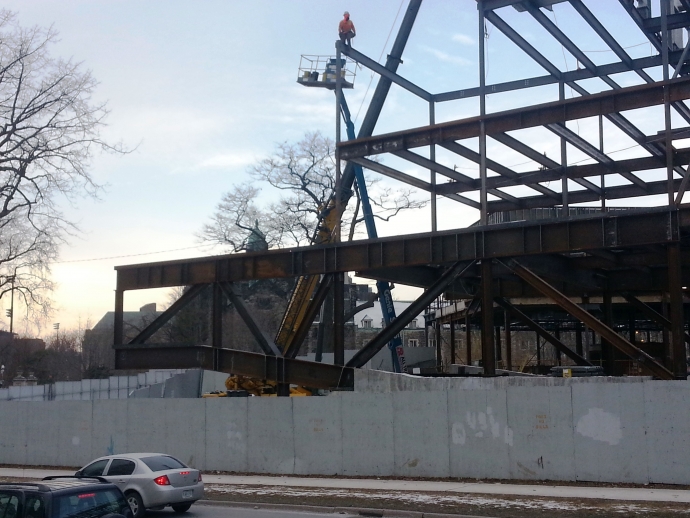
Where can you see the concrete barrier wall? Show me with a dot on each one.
(114, 387)
(615, 430)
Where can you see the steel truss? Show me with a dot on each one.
(630, 254)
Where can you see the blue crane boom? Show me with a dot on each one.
(385, 298)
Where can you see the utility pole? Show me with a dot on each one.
(56, 326)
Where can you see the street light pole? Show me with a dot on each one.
(12, 306)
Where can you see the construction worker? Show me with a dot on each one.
(346, 29)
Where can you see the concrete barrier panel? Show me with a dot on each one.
(421, 434)
(185, 422)
(109, 428)
(540, 421)
(146, 425)
(318, 435)
(13, 432)
(368, 448)
(226, 434)
(480, 436)
(609, 432)
(668, 431)
(42, 432)
(74, 432)
(270, 435)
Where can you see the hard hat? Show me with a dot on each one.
(346, 13)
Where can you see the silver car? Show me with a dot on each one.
(149, 480)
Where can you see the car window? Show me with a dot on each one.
(120, 467)
(90, 504)
(162, 462)
(34, 507)
(95, 469)
(9, 505)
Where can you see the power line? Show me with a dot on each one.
(130, 255)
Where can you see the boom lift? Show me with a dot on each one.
(305, 285)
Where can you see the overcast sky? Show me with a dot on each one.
(202, 89)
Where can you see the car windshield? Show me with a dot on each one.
(162, 462)
(89, 504)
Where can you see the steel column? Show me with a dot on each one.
(488, 346)
(468, 339)
(338, 323)
(452, 341)
(608, 355)
(675, 288)
(118, 318)
(509, 342)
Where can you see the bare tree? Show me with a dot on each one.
(49, 131)
(303, 174)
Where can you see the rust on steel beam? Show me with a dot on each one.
(634, 228)
(532, 116)
(255, 365)
(647, 363)
(560, 346)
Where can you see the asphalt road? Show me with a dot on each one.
(213, 511)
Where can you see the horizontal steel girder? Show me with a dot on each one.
(681, 157)
(539, 115)
(259, 366)
(626, 229)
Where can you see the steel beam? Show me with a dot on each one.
(266, 343)
(383, 71)
(616, 192)
(531, 324)
(538, 115)
(382, 88)
(647, 363)
(638, 65)
(259, 366)
(365, 354)
(652, 314)
(626, 229)
(189, 295)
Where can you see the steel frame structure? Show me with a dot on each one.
(630, 253)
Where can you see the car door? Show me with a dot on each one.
(120, 472)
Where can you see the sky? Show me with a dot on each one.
(201, 90)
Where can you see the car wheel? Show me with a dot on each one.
(136, 504)
(181, 508)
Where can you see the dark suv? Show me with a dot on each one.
(63, 497)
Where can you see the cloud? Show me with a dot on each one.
(448, 58)
(463, 39)
(226, 161)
